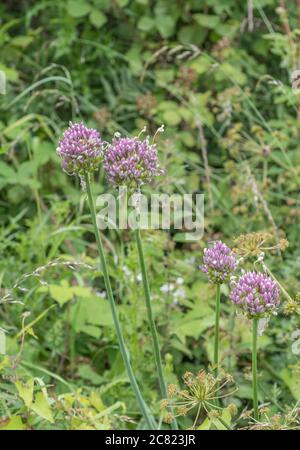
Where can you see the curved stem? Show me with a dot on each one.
(145, 411)
(217, 326)
(152, 325)
(254, 367)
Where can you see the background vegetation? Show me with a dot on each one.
(217, 74)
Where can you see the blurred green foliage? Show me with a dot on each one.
(217, 74)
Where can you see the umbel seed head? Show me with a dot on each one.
(256, 294)
(80, 149)
(219, 262)
(131, 162)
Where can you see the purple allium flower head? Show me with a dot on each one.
(80, 149)
(131, 162)
(256, 294)
(219, 262)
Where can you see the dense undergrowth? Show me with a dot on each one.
(218, 76)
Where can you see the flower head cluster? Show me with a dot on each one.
(80, 149)
(256, 243)
(131, 162)
(256, 294)
(219, 262)
(200, 393)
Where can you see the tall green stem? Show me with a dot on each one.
(152, 325)
(145, 411)
(254, 367)
(217, 326)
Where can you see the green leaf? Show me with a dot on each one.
(171, 118)
(97, 18)
(87, 373)
(6, 170)
(205, 425)
(10, 73)
(61, 294)
(165, 25)
(191, 34)
(21, 41)
(201, 64)
(291, 379)
(146, 23)
(14, 423)
(228, 72)
(122, 3)
(25, 391)
(78, 8)
(41, 407)
(206, 20)
(97, 311)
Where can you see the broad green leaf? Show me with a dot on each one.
(122, 3)
(11, 74)
(96, 401)
(13, 423)
(97, 18)
(191, 34)
(41, 407)
(165, 25)
(146, 23)
(21, 41)
(61, 294)
(6, 170)
(171, 118)
(87, 373)
(206, 20)
(201, 64)
(78, 8)
(292, 380)
(25, 391)
(205, 425)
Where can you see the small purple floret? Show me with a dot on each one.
(256, 294)
(80, 149)
(131, 162)
(219, 262)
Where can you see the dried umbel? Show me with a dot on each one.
(131, 162)
(219, 262)
(253, 244)
(80, 149)
(200, 393)
(256, 294)
(280, 421)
